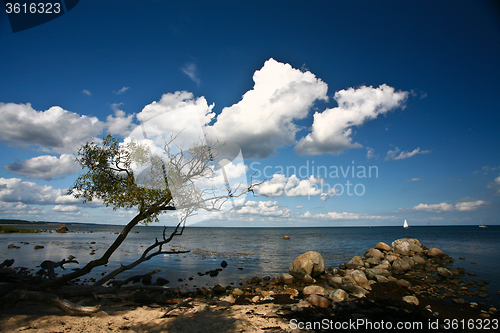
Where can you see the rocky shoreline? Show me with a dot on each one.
(404, 282)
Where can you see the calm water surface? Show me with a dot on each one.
(252, 251)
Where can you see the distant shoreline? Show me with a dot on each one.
(76, 224)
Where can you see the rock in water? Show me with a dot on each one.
(62, 229)
(435, 252)
(444, 273)
(286, 237)
(223, 264)
(403, 245)
(311, 263)
(382, 246)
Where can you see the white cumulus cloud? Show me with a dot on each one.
(282, 186)
(45, 167)
(120, 123)
(264, 118)
(56, 128)
(463, 206)
(264, 208)
(333, 128)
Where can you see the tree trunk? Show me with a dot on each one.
(105, 258)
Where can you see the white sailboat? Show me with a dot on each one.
(405, 225)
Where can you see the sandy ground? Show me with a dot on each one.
(197, 317)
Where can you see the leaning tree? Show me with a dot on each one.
(130, 175)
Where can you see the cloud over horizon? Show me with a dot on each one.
(45, 167)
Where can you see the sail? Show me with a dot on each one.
(405, 225)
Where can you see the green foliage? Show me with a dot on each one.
(110, 177)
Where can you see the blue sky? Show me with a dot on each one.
(408, 89)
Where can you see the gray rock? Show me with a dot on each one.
(409, 261)
(391, 257)
(381, 278)
(355, 290)
(444, 273)
(435, 252)
(311, 263)
(355, 262)
(314, 290)
(286, 278)
(339, 295)
(373, 261)
(371, 272)
(403, 245)
(404, 283)
(411, 300)
(374, 253)
(308, 279)
(416, 248)
(348, 279)
(360, 279)
(418, 260)
(335, 281)
(237, 292)
(318, 301)
(401, 265)
(382, 246)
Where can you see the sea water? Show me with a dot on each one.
(250, 252)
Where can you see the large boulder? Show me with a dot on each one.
(360, 279)
(401, 265)
(314, 290)
(382, 246)
(374, 253)
(355, 262)
(338, 295)
(435, 252)
(311, 263)
(318, 301)
(403, 246)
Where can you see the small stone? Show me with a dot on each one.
(335, 281)
(286, 237)
(308, 279)
(411, 300)
(286, 278)
(223, 264)
(237, 292)
(38, 247)
(404, 283)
